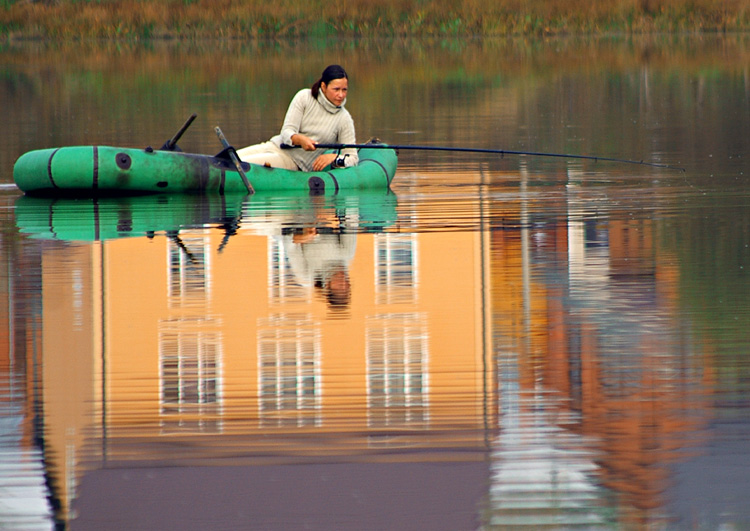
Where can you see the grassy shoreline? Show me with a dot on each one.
(260, 19)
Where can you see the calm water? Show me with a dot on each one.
(498, 342)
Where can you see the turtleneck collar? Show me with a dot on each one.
(327, 105)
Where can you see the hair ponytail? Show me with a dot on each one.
(329, 74)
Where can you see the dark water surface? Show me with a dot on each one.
(497, 342)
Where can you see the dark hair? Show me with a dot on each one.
(329, 74)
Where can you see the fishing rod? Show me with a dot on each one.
(496, 152)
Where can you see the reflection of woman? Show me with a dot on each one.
(315, 115)
(321, 259)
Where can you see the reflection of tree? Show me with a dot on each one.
(603, 334)
(644, 404)
(714, 270)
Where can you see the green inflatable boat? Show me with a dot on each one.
(107, 218)
(106, 170)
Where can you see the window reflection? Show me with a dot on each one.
(397, 370)
(189, 270)
(189, 359)
(283, 287)
(289, 370)
(395, 268)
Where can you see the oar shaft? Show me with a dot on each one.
(172, 142)
(235, 159)
(496, 152)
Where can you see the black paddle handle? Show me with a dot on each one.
(233, 155)
(170, 144)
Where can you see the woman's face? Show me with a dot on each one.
(335, 91)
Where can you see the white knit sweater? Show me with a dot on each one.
(320, 120)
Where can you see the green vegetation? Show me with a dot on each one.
(242, 19)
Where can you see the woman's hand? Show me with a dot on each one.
(324, 160)
(305, 142)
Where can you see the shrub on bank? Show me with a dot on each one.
(144, 19)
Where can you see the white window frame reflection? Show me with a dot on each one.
(283, 287)
(397, 353)
(289, 370)
(190, 381)
(189, 270)
(396, 268)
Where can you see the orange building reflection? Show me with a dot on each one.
(332, 330)
(216, 346)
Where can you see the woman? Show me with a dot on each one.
(315, 115)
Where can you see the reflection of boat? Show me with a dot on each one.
(104, 170)
(121, 217)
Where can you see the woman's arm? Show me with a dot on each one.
(348, 136)
(345, 135)
(293, 118)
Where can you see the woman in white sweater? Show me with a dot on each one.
(315, 115)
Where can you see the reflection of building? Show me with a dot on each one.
(193, 350)
(179, 352)
(583, 311)
(398, 371)
(24, 502)
(543, 475)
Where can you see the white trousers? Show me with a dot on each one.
(267, 154)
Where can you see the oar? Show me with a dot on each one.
(235, 159)
(494, 151)
(170, 144)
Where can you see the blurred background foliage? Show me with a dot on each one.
(242, 19)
